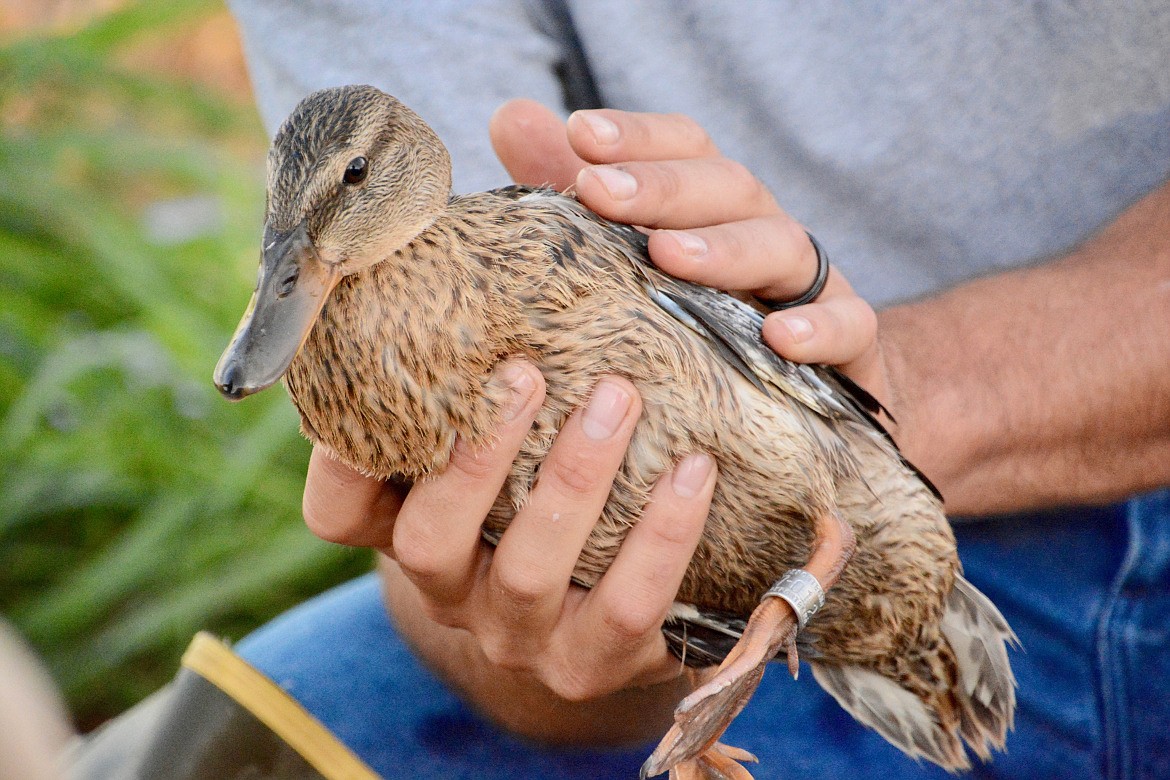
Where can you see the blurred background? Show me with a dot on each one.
(136, 506)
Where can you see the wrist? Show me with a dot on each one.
(940, 426)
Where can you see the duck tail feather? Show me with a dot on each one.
(979, 636)
(894, 712)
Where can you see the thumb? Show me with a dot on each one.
(530, 141)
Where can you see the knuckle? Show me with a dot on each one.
(791, 234)
(693, 134)
(668, 183)
(442, 614)
(856, 330)
(681, 530)
(729, 244)
(513, 651)
(634, 622)
(576, 472)
(798, 270)
(572, 684)
(520, 589)
(501, 652)
(475, 465)
(332, 526)
(736, 171)
(866, 321)
(743, 180)
(416, 554)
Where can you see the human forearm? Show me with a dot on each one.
(1045, 386)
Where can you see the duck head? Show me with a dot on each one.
(353, 176)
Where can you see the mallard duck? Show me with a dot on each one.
(385, 302)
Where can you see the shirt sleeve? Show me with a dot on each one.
(452, 61)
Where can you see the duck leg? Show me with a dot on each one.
(691, 748)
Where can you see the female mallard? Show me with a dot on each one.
(386, 303)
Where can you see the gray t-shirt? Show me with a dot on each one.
(924, 143)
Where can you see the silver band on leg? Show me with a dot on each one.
(802, 591)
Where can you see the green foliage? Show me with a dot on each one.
(136, 506)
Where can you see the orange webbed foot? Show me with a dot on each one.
(691, 748)
(691, 745)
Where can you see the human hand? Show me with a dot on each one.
(516, 600)
(713, 222)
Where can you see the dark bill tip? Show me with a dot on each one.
(230, 384)
(291, 291)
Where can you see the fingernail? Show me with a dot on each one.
(619, 184)
(691, 475)
(607, 408)
(520, 383)
(799, 328)
(604, 131)
(689, 243)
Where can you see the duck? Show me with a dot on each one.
(384, 302)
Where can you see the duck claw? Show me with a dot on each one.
(734, 753)
(719, 762)
(702, 717)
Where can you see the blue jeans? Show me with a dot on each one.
(1087, 590)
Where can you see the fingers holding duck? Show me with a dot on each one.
(624, 613)
(610, 637)
(436, 537)
(718, 224)
(518, 601)
(770, 256)
(609, 136)
(529, 578)
(686, 193)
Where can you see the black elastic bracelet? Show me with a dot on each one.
(818, 285)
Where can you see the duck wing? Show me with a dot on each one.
(738, 328)
(830, 400)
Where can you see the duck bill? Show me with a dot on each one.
(290, 293)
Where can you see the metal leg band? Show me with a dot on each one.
(802, 591)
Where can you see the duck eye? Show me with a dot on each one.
(356, 171)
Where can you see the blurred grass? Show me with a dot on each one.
(136, 506)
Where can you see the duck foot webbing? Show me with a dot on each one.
(702, 717)
(691, 745)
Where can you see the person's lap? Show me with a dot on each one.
(1094, 674)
